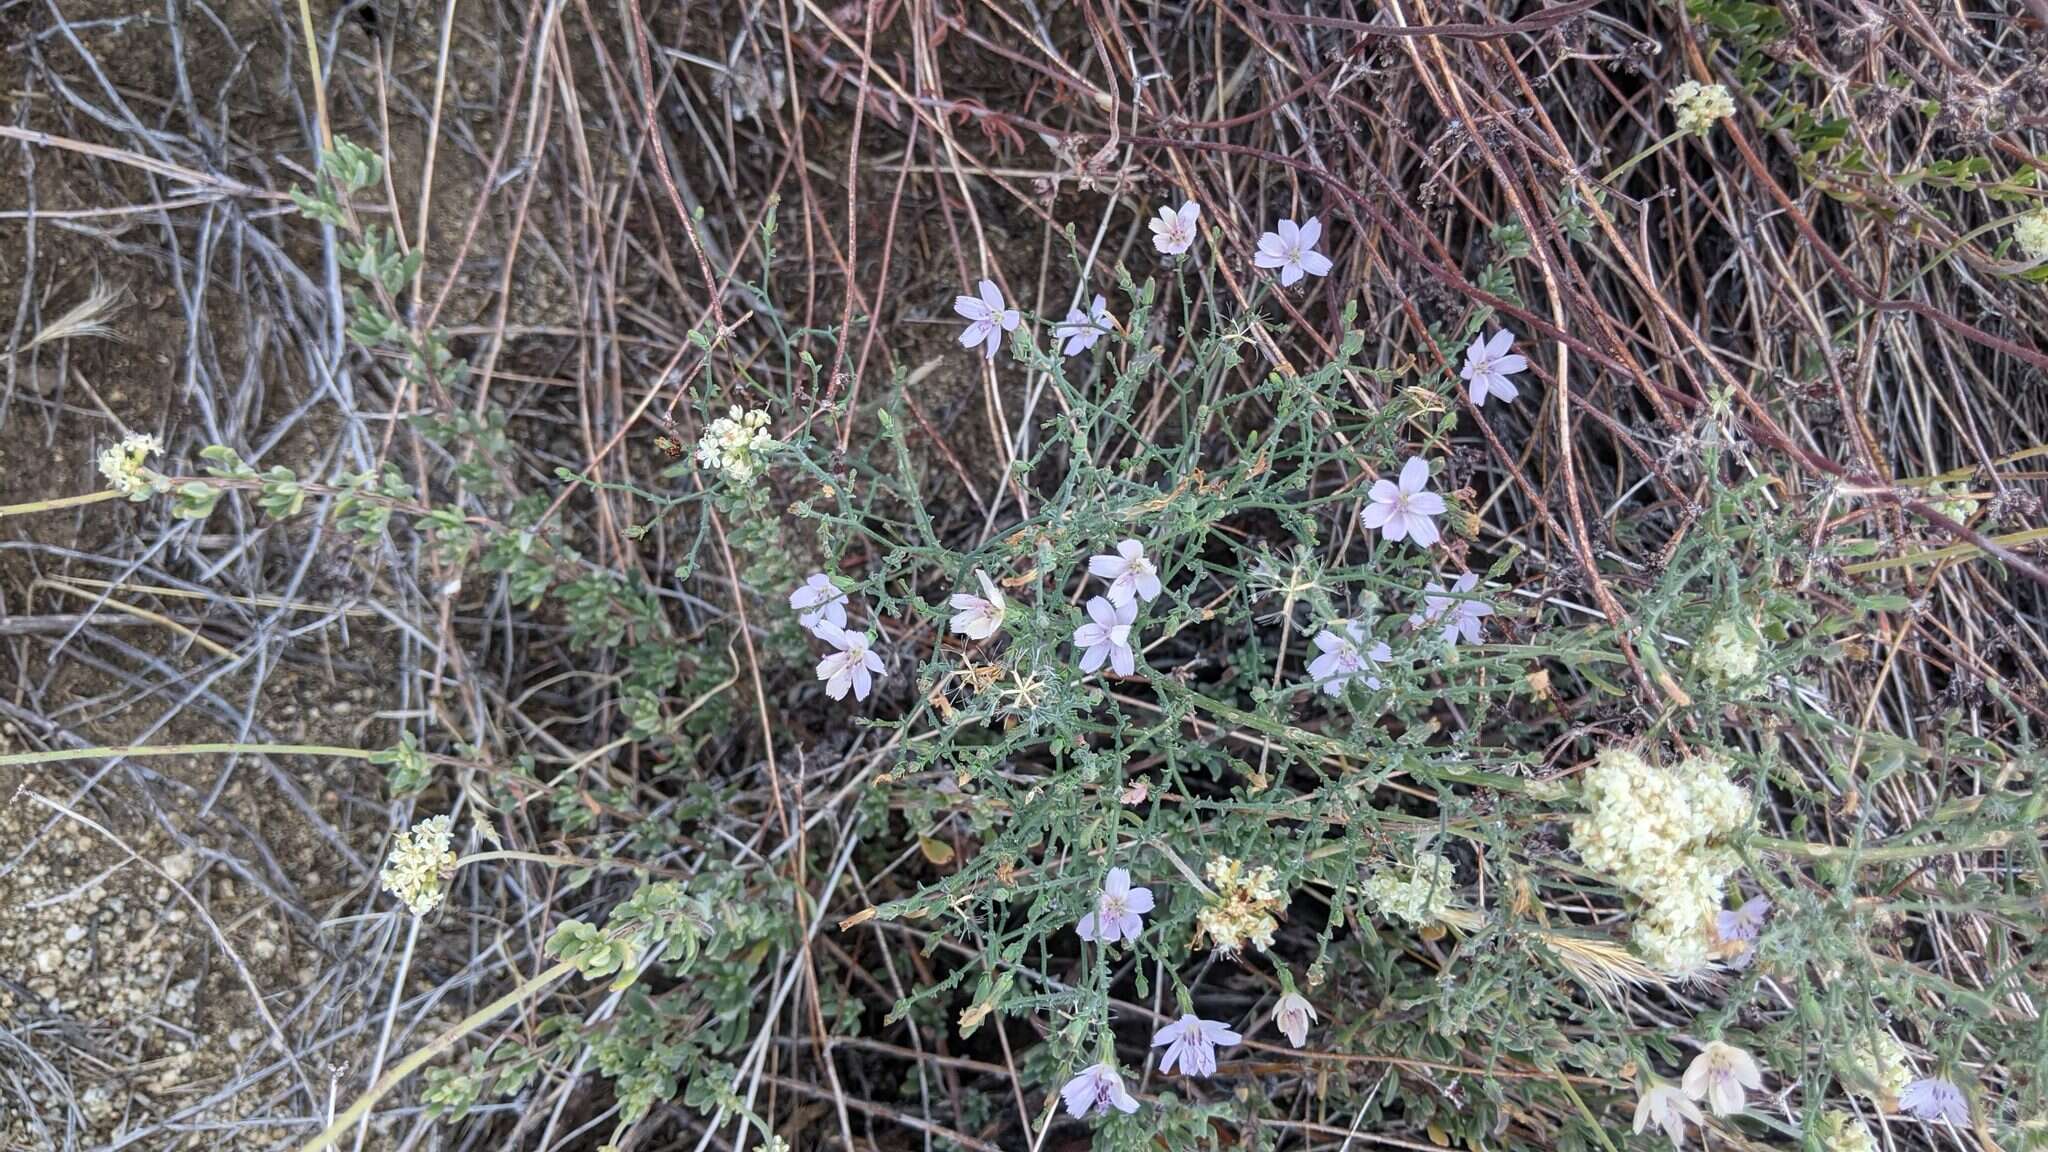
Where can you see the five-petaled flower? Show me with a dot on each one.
(1348, 652)
(1719, 1074)
(1456, 609)
(978, 617)
(1292, 1016)
(818, 601)
(1936, 1099)
(1173, 230)
(1738, 930)
(1404, 510)
(988, 317)
(1191, 1044)
(1082, 329)
(1490, 366)
(1097, 1088)
(1667, 1108)
(1291, 249)
(1107, 636)
(1128, 571)
(854, 665)
(1119, 910)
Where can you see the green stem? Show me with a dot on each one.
(7, 510)
(439, 1044)
(1880, 853)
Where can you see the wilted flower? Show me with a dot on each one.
(1291, 249)
(1245, 903)
(1082, 329)
(978, 617)
(1697, 107)
(1490, 366)
(1738, 930)
(818, 600)
(1935, 1099)
(732, 445)
(123, 466)
(854, 665)
(1107, 636)
(2030, 232)
(1667, 1108)
(1191, 1044)
(1128, 571)
(1119, 910)
(420, 864)
(1173, 231)
(988, 317)
(1345, 655)
(1719, 1074)
(1292, 1016)
(1455, 608)
(1403, 510)
(1097, 1088)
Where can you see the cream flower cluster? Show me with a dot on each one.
(1243, 908)
(1659, 832)
(1729, 652)
(1841, 1132)
(733, 444)
(1418, 898)
(1879, 1061)
(2030, 232)
(123, 466)
(1697, 107)
(420, 864)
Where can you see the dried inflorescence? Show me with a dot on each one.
(420, 864)
(734, 444)
(1418, 895)
(1243, 908)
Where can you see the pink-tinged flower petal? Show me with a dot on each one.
(1311, 230)
(1498, 347)
(1414, 474)
(991, 297)
(1102, 611)
(1315, 264)
(1509, 365)
(1426, 504)
(1123, 660)
(1290, 234)
(1095, 657)
(1138, 900)
(1935, 1099)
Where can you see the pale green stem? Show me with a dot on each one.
(34, 506)
(60, 755)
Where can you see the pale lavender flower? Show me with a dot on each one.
(1741, 927)
(1119, 910)
(1719, 1074)
(1936, 1099)
(1191, 1044)
(988, 317)
(978, 617)
(1347, 652)
(1456, 609)
(1173, 231)
(1129, 573)
(1404, 510)
(1107, 636)
(1291, 249)
(1489, 366)
(1292, 1016)
(1082, 329)
(853, 666)
(1097, 1088)
(818, 600)
(1667, 1108)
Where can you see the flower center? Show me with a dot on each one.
(1113, 907)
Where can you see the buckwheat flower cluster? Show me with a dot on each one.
(1729, 652)
(1243, 908)
(1658, 832)
(734, 443)
(420, 864)
(1841, 1132)
(2030, 232)
(123, 466)
(1418, 898)
(1697, 107)
(1878, 1061)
